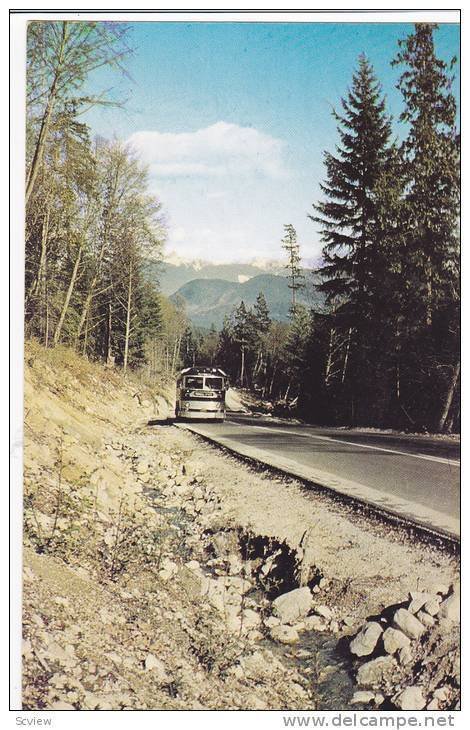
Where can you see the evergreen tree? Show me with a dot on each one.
(431, 156)
(348, 220)
(296, 277)
(296, 349)
(348, 215)
(261, 314)
(242, 333)
(431, 162)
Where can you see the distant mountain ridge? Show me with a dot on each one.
(173, 276)
(208, 301)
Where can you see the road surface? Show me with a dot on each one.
(416, 478)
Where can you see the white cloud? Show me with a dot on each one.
(218, 150)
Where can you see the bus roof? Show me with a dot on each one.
(203, 370)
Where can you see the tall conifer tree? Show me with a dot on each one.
(347, 216)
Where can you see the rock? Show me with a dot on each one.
(418, 600)
(394, 640)
(168, 569)
(374, 672)
(405, 656)
(366, 640)
(235, 565)
(441, 694)
(193, 565)
(250, 619)
(293, 605)
(241, 585)
(362, 697)
(379, 699)
(323, 611)
(432, 607)
(233, 622)
(433, 705)
(409, 624)
(272, 621)
(154, 665)
(314, 623)
(284, 634)
(411, 699)
(450, 608)
(425, 618)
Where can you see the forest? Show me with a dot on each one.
(383, 348)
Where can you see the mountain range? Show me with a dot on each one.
(210, 291)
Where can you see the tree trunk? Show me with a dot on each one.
(109, 335)
(330, 356)
(68, 296)
(346, 357)
(449, 397)
(288, 389)
(36, 284)
(128, 317)
(242, 367)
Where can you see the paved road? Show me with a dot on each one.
(416, 477)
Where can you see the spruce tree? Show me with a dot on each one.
(347, 216)
(296, 277)
(431, 254)
(261, 314)
(431, 158)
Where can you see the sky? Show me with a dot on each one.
(232, 120)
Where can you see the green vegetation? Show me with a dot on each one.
(378, 342)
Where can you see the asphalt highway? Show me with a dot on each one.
(417, 476)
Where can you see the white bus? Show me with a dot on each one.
(200, 393)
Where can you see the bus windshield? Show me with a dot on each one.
(214, 383)
(194, 382)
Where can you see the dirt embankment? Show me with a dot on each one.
(159, 573)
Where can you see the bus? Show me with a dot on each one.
(200, 393)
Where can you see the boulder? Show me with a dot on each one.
(450, 608)
(372, 673)
(432, 607)
(411, 699)
(425, 618)
(408, 623)
(394, 640)
(366, 640)
(284, 634)
(417, 600)
(314, 623)
(405, 656)
(323, 611)
(292, 606)
(362, 697)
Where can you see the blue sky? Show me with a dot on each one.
(233, 118)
